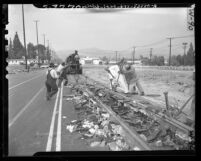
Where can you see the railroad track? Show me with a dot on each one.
(146, 127)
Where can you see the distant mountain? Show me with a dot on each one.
(89, 52)
(95, 52)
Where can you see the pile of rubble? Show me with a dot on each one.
(158, 134)
(95, 125)
(100, 129)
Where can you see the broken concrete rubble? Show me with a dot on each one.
(97, 128)
(101, 129)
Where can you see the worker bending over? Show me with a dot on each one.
(62, 74)
(51, 81)
(123, 77)
(131, 78)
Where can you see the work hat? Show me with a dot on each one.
(51, 65)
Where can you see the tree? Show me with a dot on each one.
(42, 55)
(18, 49)
(161, 61)
(105, 59)
(179, 59)
(31, 51)
(48, 55)
(190, 56)
(145, 61)
(174, 61)
(157, 60)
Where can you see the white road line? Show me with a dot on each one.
(50, 137)
(58, 140)
(25, 107)
(25, 81)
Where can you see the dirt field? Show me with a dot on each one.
(178, 84)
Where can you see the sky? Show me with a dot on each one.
(69, 29)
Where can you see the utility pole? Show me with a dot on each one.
(24, 37)
(44, 46)
(37, 42)
(170, 50)
(133, 54)
(184, 47)
(44, 39)
(48, 51)
(116, 56)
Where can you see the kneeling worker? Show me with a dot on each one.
(51, 81)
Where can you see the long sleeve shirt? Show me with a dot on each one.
(130, 75)
(53, 73)
(60, 68)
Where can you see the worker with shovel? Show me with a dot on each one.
(131, 78)
(124, 77)
(51, 81)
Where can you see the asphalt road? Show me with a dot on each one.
(37, 125)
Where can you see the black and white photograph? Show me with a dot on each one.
(100, 79)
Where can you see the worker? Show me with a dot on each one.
(51, 81)
(131, 78)
(60, 72)
(72, 58)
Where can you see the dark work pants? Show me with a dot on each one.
(51, 88)
(63, 77)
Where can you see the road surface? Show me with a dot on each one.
(37, 125)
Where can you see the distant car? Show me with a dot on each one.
(44, 66)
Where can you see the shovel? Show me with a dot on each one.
(109, 72)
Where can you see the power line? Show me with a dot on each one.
(183, 36)
(155, 43)
(161, 41)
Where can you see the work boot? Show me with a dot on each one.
(47, 97)
(66, 82)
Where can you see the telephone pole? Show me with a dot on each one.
(133, 54)
(24, 37)
(184, 47)
(170, 50)
(48, 51)
(44, 39)
(36, 21)
(116, 56)
(44, 46)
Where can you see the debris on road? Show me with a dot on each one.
(99, 128)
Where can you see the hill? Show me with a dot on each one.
(95, 52)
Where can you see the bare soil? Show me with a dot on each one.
(178, 84)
